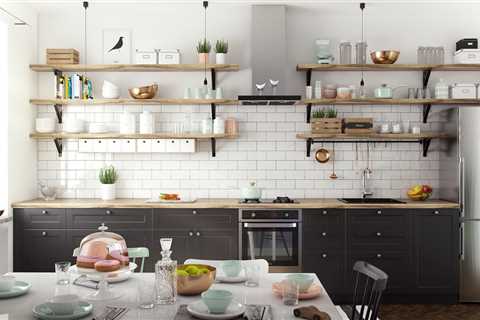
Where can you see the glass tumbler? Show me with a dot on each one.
(252, 273)
(62, 271)
(290, 292)
(145, 294)
(361, 53)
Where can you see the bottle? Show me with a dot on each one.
(441, 90)
(166, 275)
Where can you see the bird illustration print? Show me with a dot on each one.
(118, 45)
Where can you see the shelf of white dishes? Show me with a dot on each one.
(129, 101)
(132, 67)
(387, 67)
(377, 101)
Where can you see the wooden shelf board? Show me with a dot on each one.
(388, 67)
(131, 67)
(375, 101)
(112, 135)
(376, 136)
(129, 101)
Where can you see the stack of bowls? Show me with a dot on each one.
(304, 281)
(45, 125)
(110, 91)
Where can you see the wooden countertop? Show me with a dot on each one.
(226, 203)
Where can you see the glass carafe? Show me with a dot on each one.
(165, 275)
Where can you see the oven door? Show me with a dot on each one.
(276, 242)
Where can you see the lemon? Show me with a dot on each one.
(182, 273)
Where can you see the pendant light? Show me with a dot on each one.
(85, 6)
(362, 81)
(205, 81)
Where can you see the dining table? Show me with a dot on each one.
(43, 287)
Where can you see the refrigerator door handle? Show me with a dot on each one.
(462, 187)
(462, 242)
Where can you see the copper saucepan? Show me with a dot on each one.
(322, 155)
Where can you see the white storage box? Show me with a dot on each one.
(144, 145)
(159, 145)
(464, 91)
(85, 145)
(145, 56)
(99, 145)
(128, 145)
(168, 56)
(187, 145)
(173, 145)
(467, 56)
(113, 145)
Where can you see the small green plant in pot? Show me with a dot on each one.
(108, 177)
(203, 49)
(221, 50)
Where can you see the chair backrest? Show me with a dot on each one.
(262, 264)
(133, 254)
(370, 282)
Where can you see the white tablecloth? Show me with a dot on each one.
(44, 287)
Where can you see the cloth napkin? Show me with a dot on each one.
(253, 312)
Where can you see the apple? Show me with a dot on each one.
(426, 188)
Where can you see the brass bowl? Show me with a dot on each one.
(194, 285)
(384, 56)
(146, 92)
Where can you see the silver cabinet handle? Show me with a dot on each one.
(44, 234)
(436, 212)
(379, 255)
(324, 234)
(44, 212)
(190, 234)
(108, 212)
(194, 212)
(253, 215)
(379, 234)
(324, 255)
(379, 212)
(254, 225)
(462, 242)
(324, 212)
(462, 186)
(286, 215)
(198, 234)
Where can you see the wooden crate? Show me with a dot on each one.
(358, 125)
(326, 125)
(62, 56)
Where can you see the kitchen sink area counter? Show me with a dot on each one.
(311, 203)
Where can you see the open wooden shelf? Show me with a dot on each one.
(376, 101)
(131, 67)
(112, 135)
(387, 67)
(129, 101)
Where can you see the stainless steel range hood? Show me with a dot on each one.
(269, 57)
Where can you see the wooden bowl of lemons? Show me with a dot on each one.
(193, 279)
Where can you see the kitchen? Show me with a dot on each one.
(270, 145)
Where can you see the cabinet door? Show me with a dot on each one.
(329, 267)
(205, 219)
(37, 250)
(436, 251)
(216, 245)
(43, 218)
(115, 219)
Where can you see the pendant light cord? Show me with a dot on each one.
(85, 6)
(362, 6)
(205, 5)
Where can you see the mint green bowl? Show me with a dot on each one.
(304, 281)
(217, 301)
(231, 268)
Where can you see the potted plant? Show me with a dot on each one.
(203, 49)
(326, 121)
(108, 176)
(221, 49)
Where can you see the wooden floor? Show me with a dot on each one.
(470, 311)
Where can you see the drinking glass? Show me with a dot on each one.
(145, 294)
(252, 273)
(420, 93)
(412, 92)
(290, 292)
(62, 272)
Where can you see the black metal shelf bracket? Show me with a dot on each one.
(426, 77)
(309, 77)
(309, 112)
(59, 112)
(425, 145)
(309, 146)
(426, 111)
(213, 143)
(59, 146)
(214, 86)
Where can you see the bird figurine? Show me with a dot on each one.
(118, 45)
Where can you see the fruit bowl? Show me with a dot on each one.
(193, 279)
(419, 192)
(420, 197)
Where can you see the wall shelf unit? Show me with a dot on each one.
(58, 137)
(426, 70)
(129, 101)
(423, 138)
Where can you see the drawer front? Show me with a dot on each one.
(114, 218)
(322, 231)
(329, 265)
(40, 218)
(201, 219)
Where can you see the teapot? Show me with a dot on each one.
(251, 192)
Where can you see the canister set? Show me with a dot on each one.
(203, 93)
(330, 91)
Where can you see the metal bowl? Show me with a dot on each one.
(194, 285)
(384, 56)
(146, 92)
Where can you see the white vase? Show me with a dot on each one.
(108, 191)
(147, 122)
(220, 58)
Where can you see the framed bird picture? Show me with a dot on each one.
(116, 46)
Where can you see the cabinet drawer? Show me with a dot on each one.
(197, 219)
(113, 218)
(329, 265)
(323, 229)
(40, 218)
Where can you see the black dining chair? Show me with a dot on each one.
(370, 283)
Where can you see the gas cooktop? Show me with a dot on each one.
(277, 200)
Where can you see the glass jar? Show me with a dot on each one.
(421, 55)
(384, 92)
(345, 52)
(361, 52)
(166, 275)
(330, 91)
(344, 93)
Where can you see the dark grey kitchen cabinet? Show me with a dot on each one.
(40, 218)
(113, 218)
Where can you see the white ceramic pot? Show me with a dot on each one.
(251, 192)
(147, 122)
(6, 282)
(110, 91)
(45, 125)
(108, 191)
(220, 58)
(127, 123)
(218, 126)
(74, 125)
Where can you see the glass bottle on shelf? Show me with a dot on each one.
(166, 275)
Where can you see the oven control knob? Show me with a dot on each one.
(198, 234)
(194, 212)
(379, 212)
(44, 212)
(324, 255)
(44, 234)
(190, 234)
(108, 212)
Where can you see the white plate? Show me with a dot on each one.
(199, 309)
(43, 312)
(112, 277)
(225, 279)
(18, 289)
(170, 201)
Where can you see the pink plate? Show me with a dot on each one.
(314, 291)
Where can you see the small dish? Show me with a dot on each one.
(42, 311)
(19, 288)
(199, 310)
(314, 291)
(225, 279)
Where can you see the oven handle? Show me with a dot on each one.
(269, 225)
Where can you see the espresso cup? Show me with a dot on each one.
(6, 282)
(63, 304)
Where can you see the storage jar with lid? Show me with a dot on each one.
(441, 89)
(384, 92)
(344, 93)
(345, 52)
(464, 91)
(330, 91)
(361, 53)
(147, 122)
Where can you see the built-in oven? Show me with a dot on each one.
(273, 235)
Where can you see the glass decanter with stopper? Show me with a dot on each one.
(165, 275)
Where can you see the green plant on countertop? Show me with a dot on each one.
(318, 114)
(331, 113)
(204, 46)
(108, 175)
(221, 46)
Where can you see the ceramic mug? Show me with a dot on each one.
(217, 301)
(6, 282)
(385, 128)
(63, 304)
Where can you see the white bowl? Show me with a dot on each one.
(63, 304)
(6, 282)
(109, 93)
(74, 125)
(45, 125)
(108, 84)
